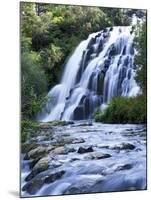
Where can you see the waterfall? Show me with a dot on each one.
(100, 68)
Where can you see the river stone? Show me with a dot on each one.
(97, 156)
(59, 150)
(40, 166)
(62, 142)
(82, 150)
(124, 167)
(33, 186)
(45, 126)
(53, 177)
(26, 147)
(123, 146)
(37, 152)
(78, 140)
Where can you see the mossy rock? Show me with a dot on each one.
(60, 123)
(26, 147)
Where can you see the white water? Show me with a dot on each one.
(108, 53)
(88, 175)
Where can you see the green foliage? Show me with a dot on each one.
(49, 34)
(124, 110)
(33, 84)
(26, 127)
(118, 17)
(141, 57)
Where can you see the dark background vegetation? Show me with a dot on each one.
(50, 33)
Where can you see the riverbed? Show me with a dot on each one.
(84, 158)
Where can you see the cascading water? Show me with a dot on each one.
(100, 68)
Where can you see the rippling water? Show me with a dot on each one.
(125, 169)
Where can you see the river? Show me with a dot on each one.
(84, 158)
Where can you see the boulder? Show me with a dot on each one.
(53, 177)
(59, 150)
(124, 167)
(40, 166)
(78, 140)
(123, 146)
(39, 152)
(26, 147)
(33, 186)
(98, 155)
(82, 150)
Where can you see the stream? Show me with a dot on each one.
(82, 158)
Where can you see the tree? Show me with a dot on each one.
(141, 57)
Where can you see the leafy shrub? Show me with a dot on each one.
(124, 110)
(33, 83)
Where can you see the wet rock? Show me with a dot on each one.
(79, 113)
(39, 152)
(38, 181)
(60, 123)
(100, 47)
(129, 74)
(98, 155)
(62, 142)
(105, 30)
(111, 29)
(40, 166)
(45, 126)
(87, 107)
(69, 150)
(124, 167)
(53, 177)
(113, 51)
(91, 42)
(59, 150)
(78, 140)
(124, 50)
(33, 186)
(74, 159)
(124, 146)
(26, 147)
(82, 150)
